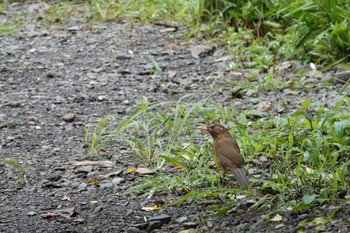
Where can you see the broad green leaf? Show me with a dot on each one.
(306, 104)
(312, 222)
(340, 127)
(308, 199)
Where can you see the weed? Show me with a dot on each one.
(305, 152)
(107, 10)
(20, 170)
(58, 13)
(157, 132)
(6, 28)
(322, 26)
(99, 137)
(95, 140)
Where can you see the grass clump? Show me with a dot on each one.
(146, 10)
(21, 170)
(6, 28)
(311, 155)
(259, 34)
(300, 159)
(164, 136)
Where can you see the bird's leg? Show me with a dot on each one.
(223, 169)
(222, 176)
(223, 180)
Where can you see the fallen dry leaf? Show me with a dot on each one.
(313, 66)
(171, 46)
(284, 66)
(171, 74)
(264, 107)
(151, 208)
(144, 171)
(167, 30)
(314, 73)
(66, 212)
(197, 50)
(223, 59)
(95, 181)
(277, 218)
(103, 163)
(65, 198)
(240, 196)
(132, 169)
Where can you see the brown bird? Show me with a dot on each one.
(227, 152)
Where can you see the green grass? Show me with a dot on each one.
(146, 10)
(6, 28)
(20, 169)
(301, 158)
(305, 153)
(59, 13)
(259, 34)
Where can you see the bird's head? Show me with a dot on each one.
(215, 130)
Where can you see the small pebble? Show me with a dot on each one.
(69, 117)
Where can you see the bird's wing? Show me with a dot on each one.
(230, 158)
(228, 153)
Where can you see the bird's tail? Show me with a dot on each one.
(241, 176)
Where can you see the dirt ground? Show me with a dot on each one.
(55, 82)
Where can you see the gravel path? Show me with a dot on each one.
(55, 82)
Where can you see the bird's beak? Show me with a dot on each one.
(204, 127)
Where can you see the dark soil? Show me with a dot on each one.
(55, 82)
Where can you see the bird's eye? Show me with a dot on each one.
(212, 126)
